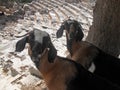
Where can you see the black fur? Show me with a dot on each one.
(52, 53)
(48, 44)
(37, 46)
(107, 66)
(60, 31)
(80, 34)
(66, 26)
(77, 34)
(85, 80)
(20, 45)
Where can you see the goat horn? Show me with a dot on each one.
(22, 35)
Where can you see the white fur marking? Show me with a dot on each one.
(92, 68)
(39, 35)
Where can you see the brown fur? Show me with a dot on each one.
(64, 74)
(83, 53)
(56, 74)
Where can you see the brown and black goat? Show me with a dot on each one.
(106, 65)
(61, 73)
(74, 35)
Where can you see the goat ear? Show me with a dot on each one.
(79, 34)
(60, 31)
(52, 54)
(20, 45)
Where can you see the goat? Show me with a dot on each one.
(61, 73)
(74, 35)
(35, 42)
(83, 52)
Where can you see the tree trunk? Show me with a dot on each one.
(105, 31)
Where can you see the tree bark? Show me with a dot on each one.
(105, 31)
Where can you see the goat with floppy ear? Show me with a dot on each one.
(85, 53)
(74, 34)
(64, 74)
(37, 43)
(70, 25)
(20, 45)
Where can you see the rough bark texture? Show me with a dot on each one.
(105, 31)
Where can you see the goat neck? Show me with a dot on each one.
(44, 62)
(72, 46)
